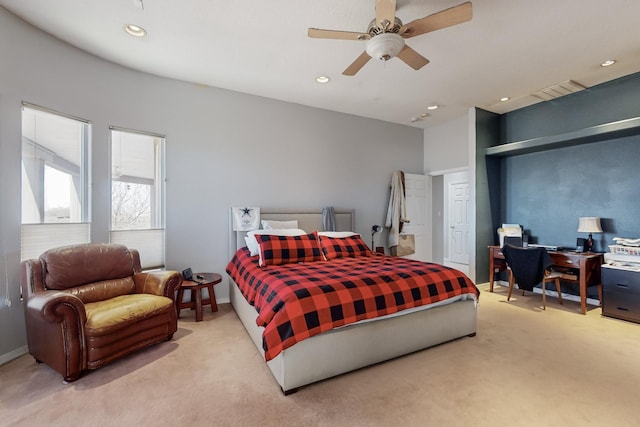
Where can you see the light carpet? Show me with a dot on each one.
(525, 367)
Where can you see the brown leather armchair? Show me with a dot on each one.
(88, 305)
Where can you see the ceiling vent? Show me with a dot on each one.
(556, 91)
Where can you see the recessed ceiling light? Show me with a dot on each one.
(423, 115)
(607, 63)
(504, 99)
(322, 79)
(135, 30)
(433, 107)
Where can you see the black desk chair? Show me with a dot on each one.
(528, 267)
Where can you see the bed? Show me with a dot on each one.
(356, 343)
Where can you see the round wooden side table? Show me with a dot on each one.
(195, 289)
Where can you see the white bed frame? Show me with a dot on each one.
(357, 345)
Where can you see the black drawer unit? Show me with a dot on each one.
(621, 293)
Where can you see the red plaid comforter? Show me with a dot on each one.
(297, 301)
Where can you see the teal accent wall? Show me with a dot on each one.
(548, 191)
(609, 102)
(487, 201)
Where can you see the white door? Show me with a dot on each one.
(415, 187)
(458, 215)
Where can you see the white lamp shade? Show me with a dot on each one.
(589, 224)
(385, 46)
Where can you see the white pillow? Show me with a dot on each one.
(337, 234)
(252, 243)
(269, 224)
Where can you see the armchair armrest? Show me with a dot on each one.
(164, 283)
(55, 331)
(56, 306)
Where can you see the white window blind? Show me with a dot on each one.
(55, 181)
(149, 242)
(137, 194)
(38, 238)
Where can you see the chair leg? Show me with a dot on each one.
(511, 281)
(559, 289)
(544, 295)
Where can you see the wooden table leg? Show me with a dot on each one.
(212, 298)
(583, 289)
(179, 300)
(198, 292)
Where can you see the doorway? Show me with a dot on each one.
(416, 189)
(451, 216)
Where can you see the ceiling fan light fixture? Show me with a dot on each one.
(385, 46)
(386, 33)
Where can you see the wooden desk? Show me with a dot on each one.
(587, 264)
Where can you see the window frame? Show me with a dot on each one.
(37, 237)
(150, 242)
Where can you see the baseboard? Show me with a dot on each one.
(551, 293)
(8, 357)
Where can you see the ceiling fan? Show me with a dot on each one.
(386, 33)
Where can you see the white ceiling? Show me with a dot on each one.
(510, 48)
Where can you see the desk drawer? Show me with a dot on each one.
(566, 260)
(621, 294)
(620, 305)
(621, 279)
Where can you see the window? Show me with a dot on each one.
(137, 194)
(55, 181)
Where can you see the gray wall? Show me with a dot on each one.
(548, 191)
(446, 149)
(447, 145)
(223, 149)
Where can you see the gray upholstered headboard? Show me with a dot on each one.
(309, 221)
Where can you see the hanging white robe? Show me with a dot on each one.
(397, 210)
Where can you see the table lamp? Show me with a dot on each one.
(589, 224)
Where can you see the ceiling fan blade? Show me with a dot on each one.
(385, 10)
(357, 64)
(341, 35)
(446, 18)
(412, 58)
